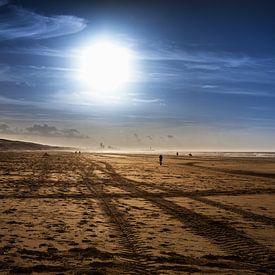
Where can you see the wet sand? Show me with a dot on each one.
(125, 214)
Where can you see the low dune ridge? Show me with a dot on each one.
(9, 145)
(125, 214)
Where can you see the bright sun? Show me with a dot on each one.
(105, 66)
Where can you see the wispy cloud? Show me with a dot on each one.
(206, 72)
(143, 100)
(163, 63)
(30, 75)
(209, 86)
(17, 22)
(39, 50)
(43, 130)
(3, 2)
(194, 58)
(223, 90)
(6, 100)
(5, 73)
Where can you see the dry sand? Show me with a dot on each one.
(124, 214)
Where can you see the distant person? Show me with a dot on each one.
(79, 152)
(160, 159)
(190, 155)
(177, 154)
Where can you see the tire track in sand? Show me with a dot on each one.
(225, 236)
(139, 263)
(198, 196)
(232, 171)
(244, 213)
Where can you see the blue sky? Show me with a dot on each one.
(203, 74)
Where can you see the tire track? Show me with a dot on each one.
(244, 213)
(231, 172)
(195, 196)
(178, 192)
(223, 235)
(237, 192)
(139, 263)
(169, 193)
(219, 233)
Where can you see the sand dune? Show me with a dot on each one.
(9, 145)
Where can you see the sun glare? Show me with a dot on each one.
(105, 66)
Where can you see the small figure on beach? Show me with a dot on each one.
(190, 155)
(177, 154)
(160, 159)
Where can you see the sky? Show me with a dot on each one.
(202, 74)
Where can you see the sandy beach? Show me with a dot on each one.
(66, 213)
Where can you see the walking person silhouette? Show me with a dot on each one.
(160, 159)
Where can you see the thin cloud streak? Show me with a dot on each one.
(38, 50)
(143, 100)
(30, 75)
(3, 2)
(22, 23)
(197, 57)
